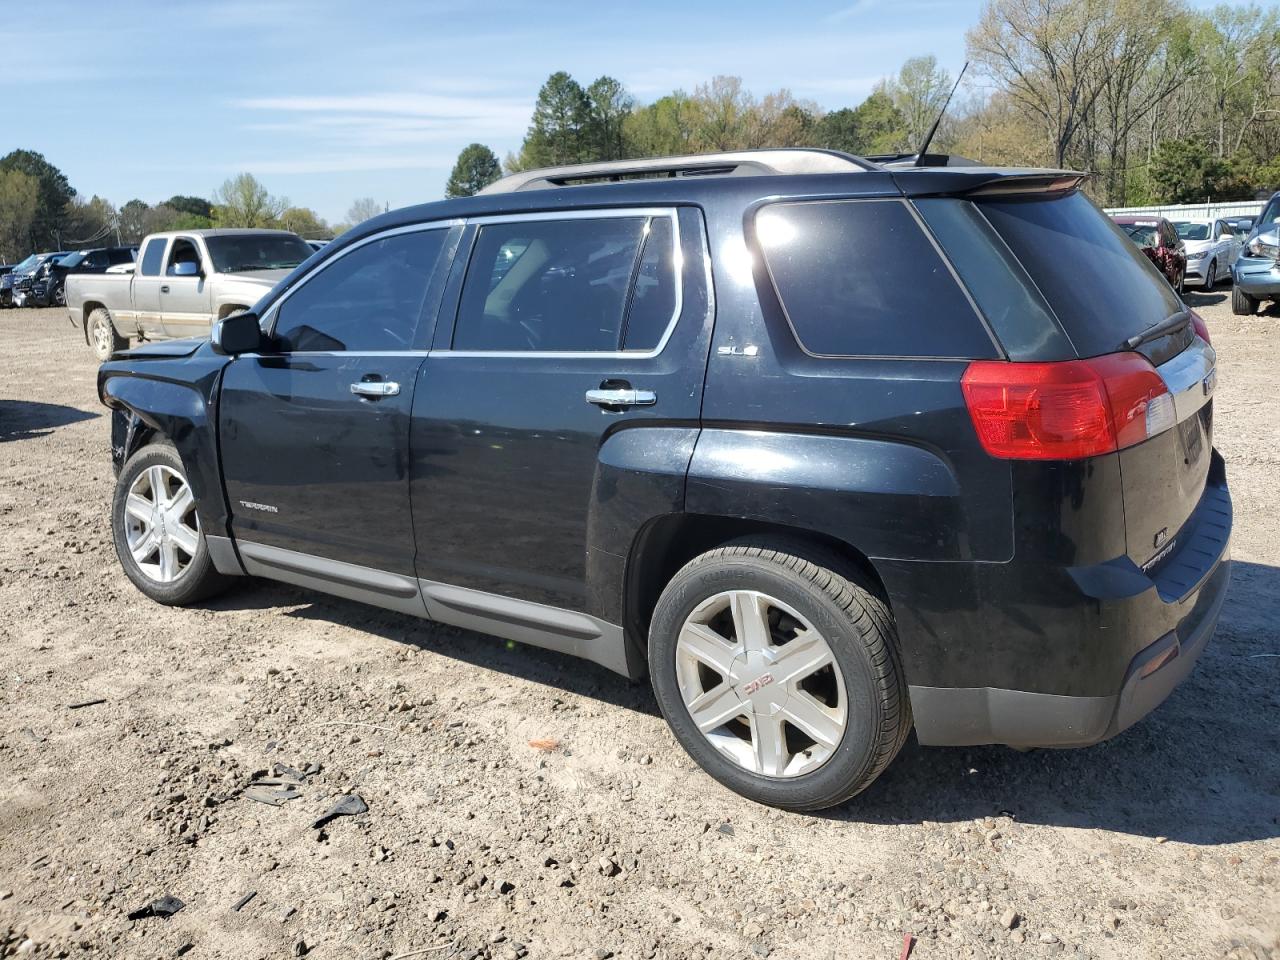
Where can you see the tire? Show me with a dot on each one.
(100, 331)
(1242, 305)
(1181, 285)
(1209, 278)
(182, 572)
(791, 587)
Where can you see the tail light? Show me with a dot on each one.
(1201, 328)
(1067, 410)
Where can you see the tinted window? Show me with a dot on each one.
(1005, 294)
(1192, 231)
(1102, 288)
(653, 300)
(121, 255)
(556, 285)
(860, 278)
(152, 254)
(368, 299)
(238, 252)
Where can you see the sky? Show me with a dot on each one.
(329, 100)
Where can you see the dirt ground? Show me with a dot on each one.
(1162, 843)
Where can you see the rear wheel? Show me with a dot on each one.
(1210, 276)
(102, 335)
(779, 673)
(157, 530)
(1242, 305)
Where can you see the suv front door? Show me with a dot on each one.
(314, 434)
(568, 332)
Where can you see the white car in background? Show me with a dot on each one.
(1212, 248)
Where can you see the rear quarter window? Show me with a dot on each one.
(859, 278)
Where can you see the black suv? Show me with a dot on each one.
(50, 280)
(830, 450)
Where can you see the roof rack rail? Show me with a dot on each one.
(790, 160)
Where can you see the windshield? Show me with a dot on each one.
(1192, 231)
(26, 264)
(1142, 236)
(1270, 213)
(257, 251)
(1102, 288)
(72, 260)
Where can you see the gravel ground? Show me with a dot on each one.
(606, 841)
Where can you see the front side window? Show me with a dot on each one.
(859, 278)
(368, 299)
(182, 251)
(578, 285)
(152, 254)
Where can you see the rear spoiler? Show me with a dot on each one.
(985, 181)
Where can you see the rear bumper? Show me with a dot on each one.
(1257, 276)
(1131, 639)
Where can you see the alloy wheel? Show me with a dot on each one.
(162, 530)
(102, 337)
(761, 684)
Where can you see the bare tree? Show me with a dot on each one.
(362, 210)
(919, 91)
(244, 202)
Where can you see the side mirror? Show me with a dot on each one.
(185, 269)
(238, 333)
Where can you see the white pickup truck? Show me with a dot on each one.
(183, 282)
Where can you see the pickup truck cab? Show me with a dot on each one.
(185, 280)
(829, 450)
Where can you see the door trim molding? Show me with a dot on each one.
(538, 625)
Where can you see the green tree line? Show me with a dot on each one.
(1162, 103)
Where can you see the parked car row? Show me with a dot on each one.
(39, 280)
(1195, 253)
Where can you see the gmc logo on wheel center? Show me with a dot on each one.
(751, 686)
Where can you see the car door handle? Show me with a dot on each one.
(164, 288)
(622, 398)
(376, 388)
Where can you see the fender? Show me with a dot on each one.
(170, 389)
(886, 499)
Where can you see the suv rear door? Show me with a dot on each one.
(570, 331)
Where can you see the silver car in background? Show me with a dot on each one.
(1212, 249)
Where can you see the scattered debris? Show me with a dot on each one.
(31, 736)
(280, 784)
(243, 901)
(726, 829)
(423, 952)
(86, 703)
(346, 806)
(164, 907)
(546, 746)
(908, 941)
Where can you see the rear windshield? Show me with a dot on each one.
(1102, 288)
(1192, 231)
(1142, 236)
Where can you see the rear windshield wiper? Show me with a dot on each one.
(1155, 332)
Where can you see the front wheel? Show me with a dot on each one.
(779, 673)
(1210, 276)
(102, 335)
(1242, 305)
(157, 530)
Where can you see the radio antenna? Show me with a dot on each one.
(928, 138)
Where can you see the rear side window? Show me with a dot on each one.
(1101, 287)
(368, 299)
(152, 254)
(573, 286)
(860, 278)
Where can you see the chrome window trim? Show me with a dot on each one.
(597, 213)
(269, 321)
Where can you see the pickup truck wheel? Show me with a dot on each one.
(1242, 305)
(157, 530)
(102, 335)
(778, 674)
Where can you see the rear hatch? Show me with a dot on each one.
(1107, 298)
